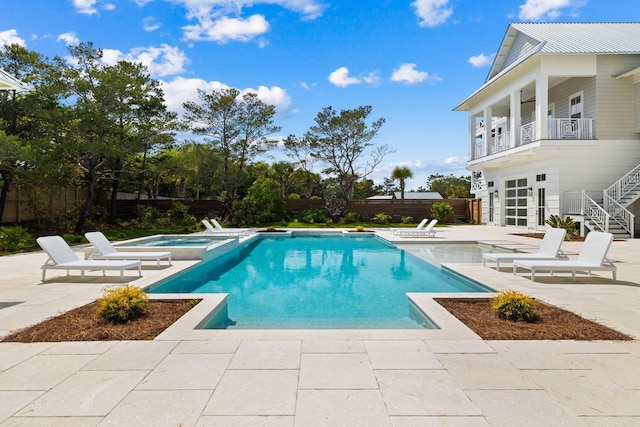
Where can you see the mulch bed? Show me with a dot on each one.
(84, 324)
(554, 323)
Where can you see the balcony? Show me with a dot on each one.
(558, 129)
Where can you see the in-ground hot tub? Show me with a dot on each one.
(181, 246)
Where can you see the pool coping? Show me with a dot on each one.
(447, 326)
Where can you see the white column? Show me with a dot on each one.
(472, 135)
(486, 138)
(515, 120)
(542, 106)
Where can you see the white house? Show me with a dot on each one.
(555, 128)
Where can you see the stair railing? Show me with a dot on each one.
(592, 210)
(623, 186)
(620, 214)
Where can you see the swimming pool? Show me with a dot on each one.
(317, 282)
(183, 246)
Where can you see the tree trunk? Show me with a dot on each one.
(91, 190)
(4, 193)
(113, 211)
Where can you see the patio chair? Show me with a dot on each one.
(214, 227)
(426, 231)
(418, 227)
(105, 250)
(549, 249)
(61, 257)
(592, 257)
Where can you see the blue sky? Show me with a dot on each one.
(412, 61)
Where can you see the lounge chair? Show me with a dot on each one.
(426, 231)
(61, 257)
(418, 227)
(105, 250)
(592, 257)
(214, 227)
(549, 249)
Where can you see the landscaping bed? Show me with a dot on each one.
(553, 323)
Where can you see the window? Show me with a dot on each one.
(541, 177)
(576, 105)
(490, 184)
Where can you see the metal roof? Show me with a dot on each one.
(586, 37)
(564, 38)
(8, 82)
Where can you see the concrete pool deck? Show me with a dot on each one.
(328, 378)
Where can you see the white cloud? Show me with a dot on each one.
(227, 29)
(142, 2)
(536, 10)
(10, 37)
(432, 13)
(150, 24)
(481, 60)
(373, 78)
(161, 61)
(180, 90)
(109, 6)
(222, 21)
(340, 78)
(307, 86)
(85, 6)
(274, 95)
(407, 73)
(69, 38)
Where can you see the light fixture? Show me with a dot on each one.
(496, 192)
(530, 191)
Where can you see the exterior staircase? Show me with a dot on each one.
(611, 214)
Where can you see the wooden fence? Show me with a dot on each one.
(418, 209)
(18, 208)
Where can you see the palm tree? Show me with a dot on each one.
(401, 173)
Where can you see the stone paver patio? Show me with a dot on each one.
(449, 376)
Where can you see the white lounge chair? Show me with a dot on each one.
(418, 227)
(549, 249)
(214, 227)
(61, 257)
(105, 250)
(592, 257)
(426, 231)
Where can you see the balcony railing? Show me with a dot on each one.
(566, 129)
(570, 129)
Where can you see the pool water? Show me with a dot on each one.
(311, 282)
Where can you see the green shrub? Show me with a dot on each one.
(568, 224)
(512, 305)
(314, 216)
(122, 303)
(406, 219)
(441, 210)
(146, 215)
(294, 196)
(179, 214)
(382, 218)
(13, 238)
(352, 218)
(360, 228)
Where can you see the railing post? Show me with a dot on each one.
(582, 201)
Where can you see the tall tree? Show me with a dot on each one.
(107, 105)
(449, 186)
(401, 173)
(339, 141)
(23, 129)
(238, 127)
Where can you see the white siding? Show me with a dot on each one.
(636, 107)
(615, 97)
